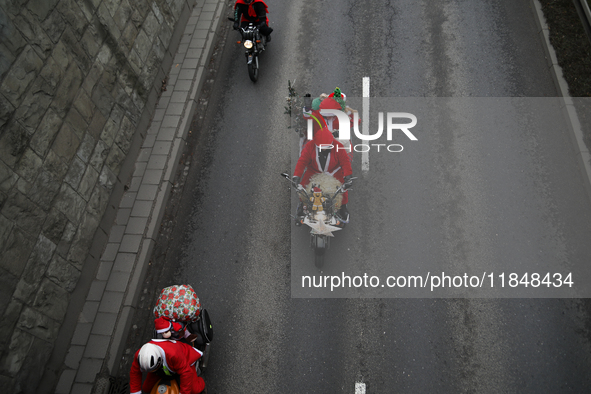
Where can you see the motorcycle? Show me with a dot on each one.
(200, 336)
(320, 204)
(254, 44)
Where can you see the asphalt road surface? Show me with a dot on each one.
(471, 195)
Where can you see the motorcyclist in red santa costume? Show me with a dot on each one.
(325, 155)
(166, 357)
(254, 11)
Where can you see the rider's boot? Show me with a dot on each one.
(299, 214)
(344, 213)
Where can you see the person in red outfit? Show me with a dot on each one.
(255, 11)
(165, 357)
(325, 155)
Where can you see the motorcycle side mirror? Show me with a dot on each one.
(285, 175)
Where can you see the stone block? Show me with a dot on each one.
(136, 226)
(124, 262)
(88, 183)
(9, 317)
(75, 173)
(110, 129)
(52, 300)
(55, 164)
(34, 33)
(34, 104)
(46, 131)
(10, 37)
(82, 332)
(123, 13)
(142, 46)
(16, 252)
(73, 15)
(54, 225)
(54, 25)
(67, 89)
(130, 243)
(66, 142)
(13, 142)
(98, 202)
(70, 203)
(34, 366)
(44, 189)
(115, 159)
(77, 122)
(29, 165)
(52, 73)
(74, 356)
(86, 148)
(92, 39)
(37, 324)
(62, 273)
(21, 75)
(151, 26)
(63, 248)
(20, 343)
(41, 8)
(111, 302)
(35, 268)
(6, 109)
(99, 155)
(85, 106)
(6, 227)
(128, 35)
(147, 192)
(97, 346)
(89, 367)
(7, 285)
(107, 21)
(24, 212)
(103, 324)
(97, 124)
(8, 177)
(125, 135)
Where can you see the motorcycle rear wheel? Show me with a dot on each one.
(318, 260)
(253, 72)
(319, 250)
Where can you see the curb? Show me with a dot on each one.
(567, 102)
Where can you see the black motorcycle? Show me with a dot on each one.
(254, 44)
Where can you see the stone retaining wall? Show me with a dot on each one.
(78, 83)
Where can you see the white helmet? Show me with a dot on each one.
(150, 358)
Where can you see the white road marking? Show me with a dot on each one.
(365, 130)
(359, 388)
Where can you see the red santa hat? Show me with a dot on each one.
(323, 138)
(177, 327)
(330, 103)
(317, 189)
(162, 325)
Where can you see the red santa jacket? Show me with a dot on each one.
(251, 15)
(178, 357)
(337, 164)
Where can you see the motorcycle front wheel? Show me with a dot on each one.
(253, 72)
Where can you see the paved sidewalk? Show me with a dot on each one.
(99, 338)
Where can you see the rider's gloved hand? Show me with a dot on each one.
(296, 179)
(348, 181)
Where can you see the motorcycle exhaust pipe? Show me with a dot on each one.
(205, 357)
